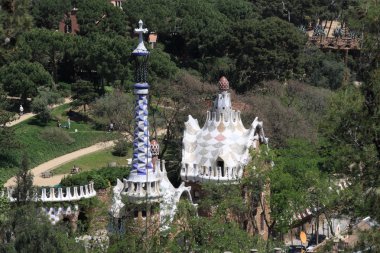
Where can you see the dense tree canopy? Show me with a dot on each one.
(16, 19)
(22, 78)
(46, 47)
(100, 16)
(265, 50)
(83, 93)
(48, 13)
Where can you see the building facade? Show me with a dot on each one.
(219, 152)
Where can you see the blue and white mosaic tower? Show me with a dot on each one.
(142, 157)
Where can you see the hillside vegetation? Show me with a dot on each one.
(320, 108)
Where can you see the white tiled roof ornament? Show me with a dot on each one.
(222, 104)
(140, 49)
(219, 151)
(224, 85)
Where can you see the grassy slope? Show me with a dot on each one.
(93, 161)
(40, 150)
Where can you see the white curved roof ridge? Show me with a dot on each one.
(239, 124)
(192, 125)
(256, 123)
(252, 131)
(171, 197)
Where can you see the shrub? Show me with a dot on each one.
(121, 148)
(99, 181)
(102, 177)
(57, 135)
(51, 96)
(113, 173)
(116, 107)
(64, 89)
(40, 107)
(75, 180)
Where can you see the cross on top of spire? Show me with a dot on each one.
(141, 49)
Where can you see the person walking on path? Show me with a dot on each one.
(110, 129)
(68, 122)
(21, 110)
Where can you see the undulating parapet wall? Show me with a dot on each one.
(191, 172)
(56, 194)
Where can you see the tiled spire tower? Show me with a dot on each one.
(148, 188)
(142, 157)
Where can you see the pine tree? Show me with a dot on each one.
(24, 182)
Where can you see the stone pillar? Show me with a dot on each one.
(81, 191)
(43, 194)
(76, 192)
(86, 190)
(60, 193)
(52, 194)
(68, 193)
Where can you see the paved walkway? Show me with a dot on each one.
(38, 180)
(56, 162)
(29, 115)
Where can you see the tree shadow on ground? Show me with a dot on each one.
(8, 161)
(36, 122)
(77, 117)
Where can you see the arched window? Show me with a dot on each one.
(220, 164)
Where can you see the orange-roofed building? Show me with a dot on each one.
(69, 23)
(152, 39)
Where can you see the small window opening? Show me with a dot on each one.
(220, 163)
(262, 221)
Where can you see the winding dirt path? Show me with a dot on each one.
(38, 180)
(29, 115)
(54, 163)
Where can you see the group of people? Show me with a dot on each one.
(64, 126)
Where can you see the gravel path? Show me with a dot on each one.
(29, 115)
(54, 163)
(38, 180)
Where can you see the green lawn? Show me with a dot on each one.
(91, 161)
(40, 150)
